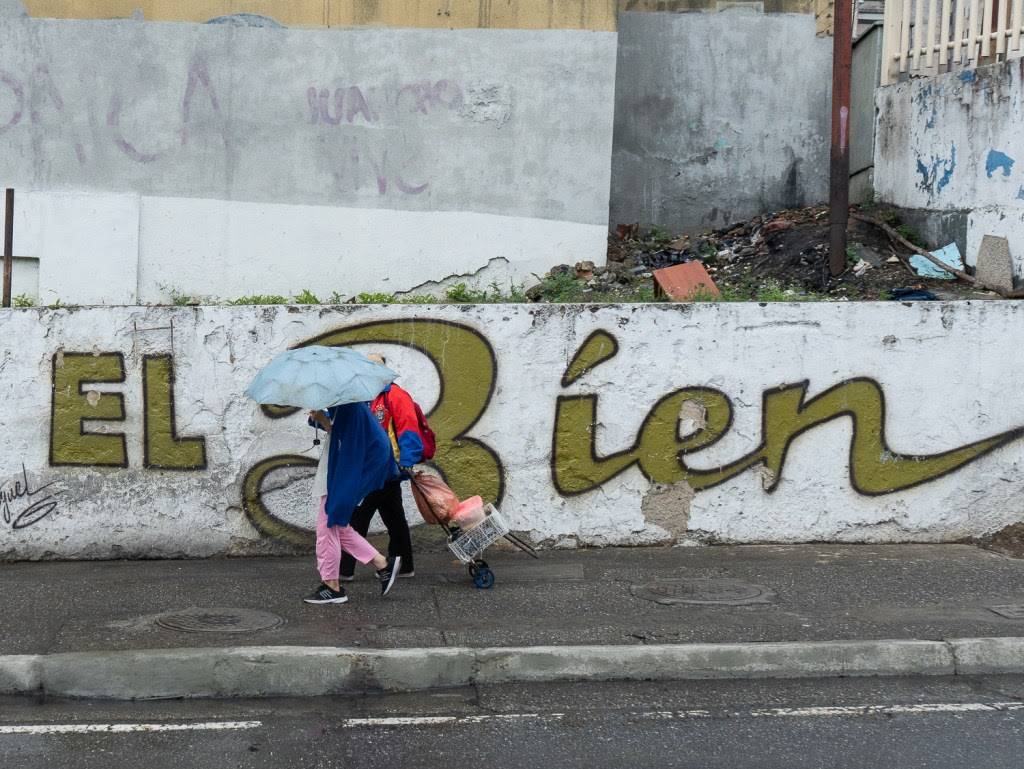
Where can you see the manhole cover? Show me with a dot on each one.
(724, 592)
(1010, 611)
(218, 620)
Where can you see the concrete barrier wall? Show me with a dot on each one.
(716, 119)
(125, 433)
(954, 143)
(213, 160)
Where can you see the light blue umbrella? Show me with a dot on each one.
(317, 377)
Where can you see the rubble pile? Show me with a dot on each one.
(778, 255)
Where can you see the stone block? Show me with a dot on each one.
(994, 266)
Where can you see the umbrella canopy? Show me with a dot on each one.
(317, 377)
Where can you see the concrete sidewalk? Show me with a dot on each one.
(107, 628)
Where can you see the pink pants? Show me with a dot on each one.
(331, 540)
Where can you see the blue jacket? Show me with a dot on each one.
(361, 460)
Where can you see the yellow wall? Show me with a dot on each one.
(291, 12)
(497, 14)
(514, 14)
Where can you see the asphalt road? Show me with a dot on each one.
(965, 723)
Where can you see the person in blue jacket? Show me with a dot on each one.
(394, 410)
(356, 461)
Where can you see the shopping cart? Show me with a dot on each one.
(468, 543)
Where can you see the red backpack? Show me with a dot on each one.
(427, 436)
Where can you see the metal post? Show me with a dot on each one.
(8, 245)
(839, 166)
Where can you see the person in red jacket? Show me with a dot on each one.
(394, 410)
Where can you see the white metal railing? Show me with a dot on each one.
(927, 37)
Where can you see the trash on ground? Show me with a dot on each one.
(681, 282)
(949, 255)
(912, 294)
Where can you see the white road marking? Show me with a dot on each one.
(885, 710)
(122, 728)
(434, 720)
(808, 712)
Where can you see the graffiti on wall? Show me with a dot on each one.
(21, 504)
(666, 447)
(75, 406)
(358, 133)
(467, 370)
(661, 452)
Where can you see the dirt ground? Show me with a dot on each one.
(783, 256)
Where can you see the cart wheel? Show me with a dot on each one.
(472, 569)
(484, 578)
(481, 563)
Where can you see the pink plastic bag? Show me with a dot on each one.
(437, 503)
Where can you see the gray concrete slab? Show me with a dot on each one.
(823, 592)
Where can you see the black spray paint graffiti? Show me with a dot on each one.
(20, 493)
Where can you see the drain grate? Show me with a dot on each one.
(1010, 611)
(218, 620)
(722, 592)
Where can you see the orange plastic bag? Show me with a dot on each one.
(437, 503)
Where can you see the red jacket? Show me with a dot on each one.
(394, 410)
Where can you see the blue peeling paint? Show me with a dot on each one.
(967, 75)
(936, 173)
(1020, 194)
(721, 144)
(998, 161)
(927, 104)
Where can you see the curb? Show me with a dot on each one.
(261, 671)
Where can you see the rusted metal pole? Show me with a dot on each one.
(839, 166)
(8, 245)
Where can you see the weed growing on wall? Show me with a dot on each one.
(22, 300)
(259, 299)
(911, 234)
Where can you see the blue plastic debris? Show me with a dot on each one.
(949, 255)
(911, 294)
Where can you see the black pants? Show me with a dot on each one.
(388, 502)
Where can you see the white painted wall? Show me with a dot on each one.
(950, 375)
(215, 160)
(954, 142)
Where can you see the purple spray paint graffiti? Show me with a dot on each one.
(199, 73)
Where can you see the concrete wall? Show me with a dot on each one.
(216, 160)
(124, 431)
(716, 119)
(954, 143)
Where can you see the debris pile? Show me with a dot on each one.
(779, 256)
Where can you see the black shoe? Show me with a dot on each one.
(388, 574)
(324, 594)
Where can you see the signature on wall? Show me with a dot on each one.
(21, 504)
